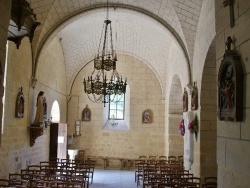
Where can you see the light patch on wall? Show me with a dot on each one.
(55, 112)
(60, 139)
(4, 84)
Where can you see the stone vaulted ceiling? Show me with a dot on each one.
(145, 29)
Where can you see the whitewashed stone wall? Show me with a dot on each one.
(140, 139)
(233, 140)
(16, 152)
(204, 37)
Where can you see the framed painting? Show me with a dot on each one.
(86, 114)
(147, 116)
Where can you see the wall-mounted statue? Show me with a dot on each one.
(185, 100)
(39, 118)
(147, 116)
(86, 114)
(194, 97)
(230, 86)
(19, 112)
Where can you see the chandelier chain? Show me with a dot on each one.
(98, 85)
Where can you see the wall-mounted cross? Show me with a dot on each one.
(230, 3)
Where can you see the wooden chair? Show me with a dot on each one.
(210, 179)
(4, 183)
(162, 157)
(44, 163)
(193, 182)
(166, 185)
(82, 174)
(79, 179)
(34, 168)
(43, 184)
(180, 159)
(189, 185)
(143, 157)
(210, 182)
(69, 185)
(16, 180)
(172, 158)
(140, 165)
(148, 175)
(209, 185)
(91, 164)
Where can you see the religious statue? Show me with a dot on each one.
(147, 116)
(227, 89)
(39, 118)
(19, 112)
(185, 100)
(86, 114)
(230, 85)
(194, 97)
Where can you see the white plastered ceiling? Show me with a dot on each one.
(152, 31)
(133, 34)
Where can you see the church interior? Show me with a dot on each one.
(182, 68)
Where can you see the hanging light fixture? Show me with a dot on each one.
(97, 86)
(22, 23)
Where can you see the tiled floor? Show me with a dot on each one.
(113, 179)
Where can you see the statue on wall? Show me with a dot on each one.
(39, 118)
(194, 97)
(185, 100)
(19, 112)
(147, 116)
(86, 114)
(230, 86)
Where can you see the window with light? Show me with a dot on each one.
(116, 107)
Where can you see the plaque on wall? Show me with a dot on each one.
(230, 86)
(19, 112)
(86, 114)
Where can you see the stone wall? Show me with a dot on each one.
(5, 7)
(140, 138)
(16, 152)
(206, 91)
(175, 139)
(233, 141)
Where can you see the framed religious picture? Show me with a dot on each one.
(147, 116)
(194, 97)
(19, 112)
(86, 114)
(185, 100)
(230, 86)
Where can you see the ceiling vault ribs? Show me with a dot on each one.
(179, 17)
(117, 6)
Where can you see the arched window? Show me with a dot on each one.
(116, 114)
(55, 112)
(117, 107)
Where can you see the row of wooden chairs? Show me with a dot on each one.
(154, 173)
(161, 157)
(56, 173)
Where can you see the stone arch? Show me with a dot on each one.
(174, 117)
(55, 112)
(208, 119)
(175, 35)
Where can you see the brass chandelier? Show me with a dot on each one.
(97, 86)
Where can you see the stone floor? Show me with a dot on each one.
(113, 179)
